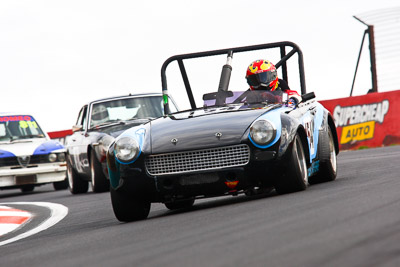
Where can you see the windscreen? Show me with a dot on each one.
(244, 97)
(19, 127)
(127, 109)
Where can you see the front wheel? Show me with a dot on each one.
(327, 159)
(127, 208)
(99, 180)
(295, 178)
(61, 185)
(76, 185)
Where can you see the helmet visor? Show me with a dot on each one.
(265, 78)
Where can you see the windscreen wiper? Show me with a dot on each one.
(139, 119)
(109, 123)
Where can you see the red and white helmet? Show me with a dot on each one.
(262, 73)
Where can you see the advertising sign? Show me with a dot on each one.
(370, 120)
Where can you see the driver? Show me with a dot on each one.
(99, 115)
(262, 75)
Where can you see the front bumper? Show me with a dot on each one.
(40, 174)
(206, 172)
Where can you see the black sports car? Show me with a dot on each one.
(98, 123)
(236, 142)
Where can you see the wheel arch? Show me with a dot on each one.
(89, 153)
(91, 148)
(332, 125)
(304, 141)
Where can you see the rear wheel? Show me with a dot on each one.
(76, 184)
(127, 208)
(99, 180)
(327, 159)
(183, 204)
(295, 178)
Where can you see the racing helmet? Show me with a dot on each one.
(262, 73)
(99, 115)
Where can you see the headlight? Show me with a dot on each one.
(262, 132)
(126, 149)
(52, 157)
(61, 157)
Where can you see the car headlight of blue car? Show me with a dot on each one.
(262, 132)
(126, 149)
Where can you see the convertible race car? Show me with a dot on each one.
(236, 142)
(98, 123)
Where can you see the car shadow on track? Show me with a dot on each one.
(8, 193)
(211, 203)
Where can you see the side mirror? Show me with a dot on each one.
(76, 128)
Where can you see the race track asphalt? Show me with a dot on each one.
(353, 221)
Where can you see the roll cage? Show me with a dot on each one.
(226, 71)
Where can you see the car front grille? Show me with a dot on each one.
(198, 160)
(14, 162)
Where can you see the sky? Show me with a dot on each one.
(55, 56)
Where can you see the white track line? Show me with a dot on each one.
(58, 212)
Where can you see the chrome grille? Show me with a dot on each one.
(198, 160)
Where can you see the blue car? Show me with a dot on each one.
(236, 142)
(28, 158)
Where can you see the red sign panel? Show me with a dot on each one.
(370, 120)
(59, 134)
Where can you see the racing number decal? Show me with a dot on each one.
(26, 124)
(309, 127)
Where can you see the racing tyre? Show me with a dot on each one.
(127, 208)
(183, 204)
(61, 185)
(99, 180)
(76, 185)
(296, 177)
(327, 159)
